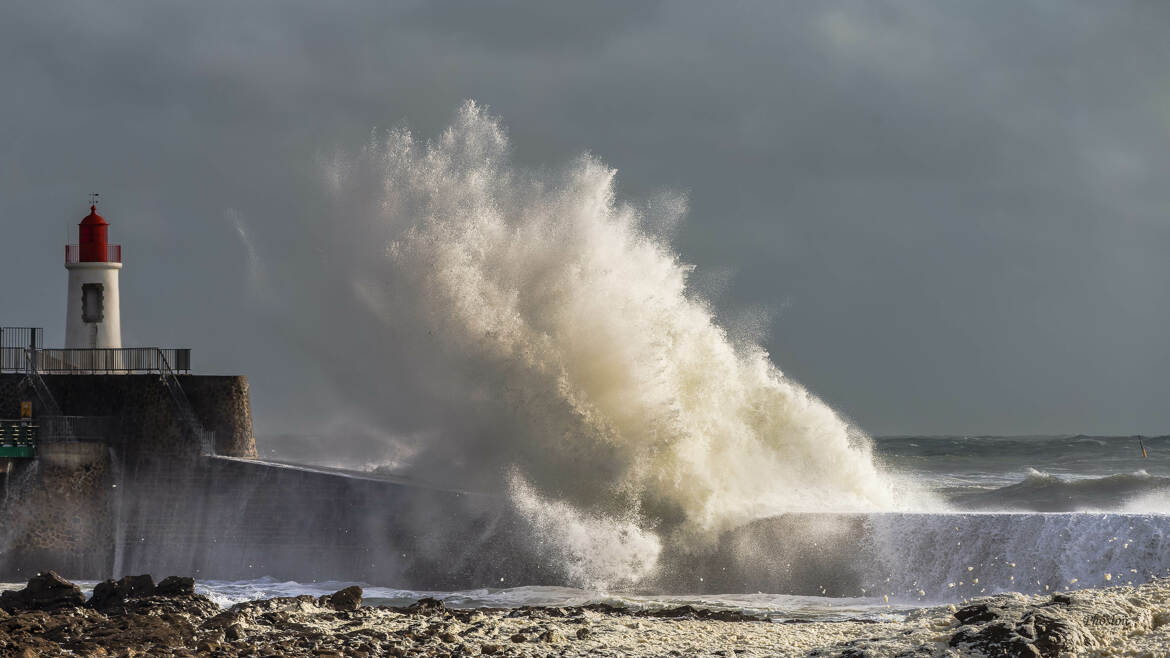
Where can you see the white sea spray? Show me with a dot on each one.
(590, 372)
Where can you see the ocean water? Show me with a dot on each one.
(1034, 515)
(1036, 473)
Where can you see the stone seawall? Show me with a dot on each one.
(227, 518)
(234, 518)
(148, 424)
(63, 508)
(58, 507)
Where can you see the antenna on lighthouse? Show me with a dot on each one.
(93, 198)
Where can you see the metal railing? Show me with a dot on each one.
(20, 338)
(18, 433)
(187, 417)
(19, 438)
(97, 361)
(73, 254)
(19, 352)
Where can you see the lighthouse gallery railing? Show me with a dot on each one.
(113, 254)
(96, 361)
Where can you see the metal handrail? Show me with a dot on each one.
(186, 413)
(22, 337)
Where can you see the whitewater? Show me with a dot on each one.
(552, 350)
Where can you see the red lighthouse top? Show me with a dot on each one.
(93, 242)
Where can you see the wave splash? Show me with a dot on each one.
(577, 357)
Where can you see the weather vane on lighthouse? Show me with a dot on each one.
(93, 198)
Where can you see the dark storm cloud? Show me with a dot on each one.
(955, 214)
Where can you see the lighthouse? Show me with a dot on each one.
(93, 317)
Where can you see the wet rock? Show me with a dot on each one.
(137, 586)
(584, 633)
(175, 586)
(45, 591)
(1055, 635)
(222, 620)
(552, 636)
(976, 614)
(111, 593)
(1014, 627)
(995, 639)
(349, 598)
(426, 605)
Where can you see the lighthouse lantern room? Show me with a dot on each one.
(93, 318)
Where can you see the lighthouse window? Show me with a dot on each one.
(92, 302)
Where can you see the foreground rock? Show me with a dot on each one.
(135, 617)
(45, 591)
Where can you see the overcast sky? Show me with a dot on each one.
(953, 217)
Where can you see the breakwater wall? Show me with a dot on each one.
(144, 499)
(231, 518)
(237, 518)
(146, 421)
(62, 508)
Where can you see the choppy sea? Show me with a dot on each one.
(1091, 509)
(1037, 473)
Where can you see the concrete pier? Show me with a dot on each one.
(62, 509)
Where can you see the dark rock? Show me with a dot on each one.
(976, 614)
(995, 639)
(552, 636)
(1055, 635)
(175, 586)
(45, 591)
(519, 638)
(1009, 626)
(105, 595)
(110, 594)
(349, 598)
(583, 633)
(688, 612)
(672, 613)
(222, 620)
(137, 586)
(426, 605)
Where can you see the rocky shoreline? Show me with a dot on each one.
(135, 616)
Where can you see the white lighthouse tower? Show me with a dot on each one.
(93, 317)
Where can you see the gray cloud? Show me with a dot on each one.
(953, 213)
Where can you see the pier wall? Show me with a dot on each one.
(227, 518)
(61, 510)
(146, 416)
